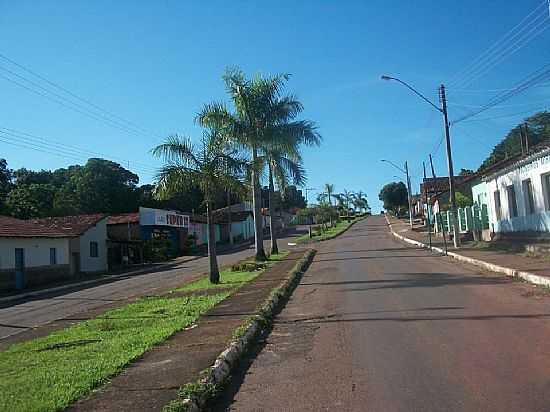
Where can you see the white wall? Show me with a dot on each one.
(98, 234)
(37, 251)
(537, 221)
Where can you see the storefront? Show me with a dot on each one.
(164, 225)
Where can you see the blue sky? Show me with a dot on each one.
(156, 63)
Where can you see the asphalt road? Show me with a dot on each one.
(377, 326)
(27, 314)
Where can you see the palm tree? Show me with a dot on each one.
(360, 201)
(346, 199)
(282, 150)
(329, 191)
(211, 167)
(281, 169)
(261, 119)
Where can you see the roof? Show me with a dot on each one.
(70, 225)
(123, 218)
(51, 227)
(11, 227)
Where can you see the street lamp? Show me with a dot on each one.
(409, 198)
(443, 111)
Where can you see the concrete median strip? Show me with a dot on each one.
(515, 273)
(194, 396)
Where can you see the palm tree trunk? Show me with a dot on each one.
(258, 230)
(211, 239)
(273, 232)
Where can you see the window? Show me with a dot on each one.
(528, 197)
(512, 204)
(94, 249)
(546, 189)
(53, 256)
(498, 207)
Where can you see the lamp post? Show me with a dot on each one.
(443, 111)
(409, 198)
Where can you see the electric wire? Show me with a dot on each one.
(502, 45)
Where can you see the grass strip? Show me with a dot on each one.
(338, 228)
(49, 373)
(230, 279)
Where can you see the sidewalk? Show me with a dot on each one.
(31, 293)
(531, 269)
(151, 382)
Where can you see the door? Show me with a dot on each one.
(19, 268)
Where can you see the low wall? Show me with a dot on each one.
(35, 276)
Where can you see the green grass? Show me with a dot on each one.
(229, 279)
(49, 373)
(331, 232)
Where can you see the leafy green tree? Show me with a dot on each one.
(211, 167)
(32, 200)
(291, 198)
(463, 200)
(538, 127)
(394, 196)
(99, 186)
(5, 183)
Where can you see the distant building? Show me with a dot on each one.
(40, 251)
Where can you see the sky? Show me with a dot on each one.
(155, 64)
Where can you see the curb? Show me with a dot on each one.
(515, 273)
(195, 396)
(102, 279)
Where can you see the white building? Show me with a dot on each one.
(517, 193)
(40, 251)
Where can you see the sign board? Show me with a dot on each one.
(159, 217)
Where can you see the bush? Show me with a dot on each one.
(248, 267)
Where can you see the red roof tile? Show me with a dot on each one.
(70, 225)
(123, 218)
(58, 227)
(11, 227)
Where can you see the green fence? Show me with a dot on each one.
(469, 219)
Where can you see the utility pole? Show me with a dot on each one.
(428, 211)
(454, 212)
(409, 194)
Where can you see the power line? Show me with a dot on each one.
(496, 49)
(507, 106)
(507, 52)
(62, 103)
(483, 91)
(82, 99)
(506, 115)
(65, 147)
(44, 92)
(537, 77)
(57, 149)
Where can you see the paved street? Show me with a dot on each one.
(21, 317)
(376, 326)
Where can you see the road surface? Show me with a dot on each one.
(23, 316)
(377, 326)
